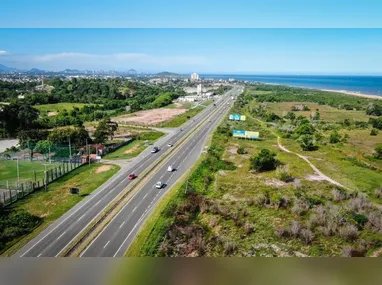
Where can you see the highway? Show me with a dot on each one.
(116, 237)
(55, 238)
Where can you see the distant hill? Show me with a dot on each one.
(7, 68)
(36, 70)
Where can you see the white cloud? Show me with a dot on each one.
(125, 61)
(3, 52)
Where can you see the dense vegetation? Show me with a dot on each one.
(106, 96)
(342, 101)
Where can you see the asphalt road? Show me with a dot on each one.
(54, 239)
(116, 237)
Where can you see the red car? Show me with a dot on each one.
(131, 176)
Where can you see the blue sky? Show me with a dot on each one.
(251, 51)
(191, 14)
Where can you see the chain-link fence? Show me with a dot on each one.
(22, 178)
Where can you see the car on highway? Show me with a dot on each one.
(131, 176)
(159, 185)
(170, 168)
(170, 145)
(154, 149)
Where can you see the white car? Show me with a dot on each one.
(159, 185)
(170, 145)
(170, 169)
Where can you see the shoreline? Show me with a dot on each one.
(369, 96)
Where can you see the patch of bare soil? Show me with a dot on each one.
(275, 183)
(150, 117)
(315, 177)
(103, 168)
(233, 149)
(131, 150)
(51, 114)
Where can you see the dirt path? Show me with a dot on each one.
(316, 170)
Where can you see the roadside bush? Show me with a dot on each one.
(300, 207)
(307, 142)
(295, 228)
(264, 161)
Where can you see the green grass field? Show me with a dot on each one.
(57, 200)
(59, 107)
(181, 119)
(327, 113)
(135, 147)
(8, 171)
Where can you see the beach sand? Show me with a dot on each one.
(354, 94)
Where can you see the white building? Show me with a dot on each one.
(189, 99)
(194, 77)
(199, 89)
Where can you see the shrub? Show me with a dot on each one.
(378, 151)
(295, 228)
(248, 228)
(264, 161)
(300, 206)
(229, 247)
(335, 137)
(307, 236)
(347, 251)
(348, 232)
(283, 174)
(307, 143)
(339, 195)
(241, 150)
(374, 132)
(378, 193)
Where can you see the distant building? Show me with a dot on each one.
(199, 89)
(194, 77)
(189, 99)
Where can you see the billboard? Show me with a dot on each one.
(237, 117)
(245, 134)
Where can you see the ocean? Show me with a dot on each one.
(370, 85)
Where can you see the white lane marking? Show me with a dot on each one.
(134, 209)
(145, 196)
(122, 224)
(106, 244)
(61, 235)
(81, 217)
(39, 255)
(97, 203)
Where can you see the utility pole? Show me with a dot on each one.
(88, 147)
(188, 176)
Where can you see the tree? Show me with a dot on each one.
(264, 161)
(105, 129)
(290, 116)
(378, 151)
(77, 136)
(43, 146)
(305, 129)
